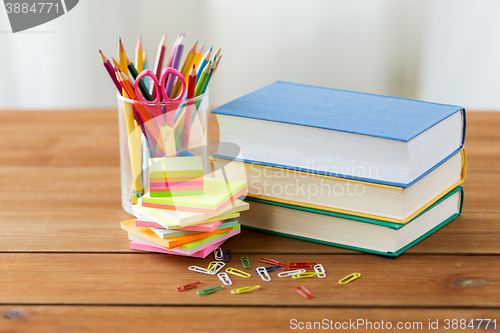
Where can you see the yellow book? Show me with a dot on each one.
(357, 198)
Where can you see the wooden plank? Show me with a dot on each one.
(59, 138)
(52, 230)
(409, 281)
(482, 141)
(228, 319)
(60, 188)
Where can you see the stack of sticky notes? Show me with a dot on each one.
(186, 224)
(355, 170)
(176, 176)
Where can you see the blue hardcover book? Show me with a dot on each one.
(339, 133)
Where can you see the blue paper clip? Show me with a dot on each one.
(228, 252)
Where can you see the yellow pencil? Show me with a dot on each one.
(122, 57)
(139, 55)
(198, 55)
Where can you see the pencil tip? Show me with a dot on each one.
(211, 47)
(120, 39)
(100, 51)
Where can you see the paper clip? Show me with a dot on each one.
(244, 289)
(290, 273)
(245, 262)
(209, 290)
(218, 253)
(263, 273)
(271, 261)
(188, 286)
(211, 264)
(270, 269)
(224, 278)
(200, 270)
(228, 252)
(349, 278)
(214, 269)
(320, 270)
(237, 272)
(304, 275)
(304, 292)
(296, 265)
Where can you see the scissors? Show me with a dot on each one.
(164, 123)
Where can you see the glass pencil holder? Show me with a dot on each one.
(158, 130)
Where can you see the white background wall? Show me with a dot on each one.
(446, 51)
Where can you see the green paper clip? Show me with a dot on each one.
(304, 275)
(209, 290)
(245, 262)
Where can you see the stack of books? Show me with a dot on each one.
(187, 224)
(360, 171)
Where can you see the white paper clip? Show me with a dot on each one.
(216, 268)
(290, 273)
(218, 254)
(224, 278)
(262, 271)
(200, 270)
(320, 270)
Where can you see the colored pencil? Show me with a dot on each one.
(141, 84)
(122, 57)
(145, 66)
(212, 69)
(110, 70)
(171, 59)
(144, 114)
(160, 55)
(139, 60)
(175, 64)
(203, 62)
(198, 55)
(189, 107)
(185, 69)
(201, 82)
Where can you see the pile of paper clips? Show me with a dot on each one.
(297, 270)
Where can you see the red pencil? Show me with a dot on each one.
(111, 71)
(162, 48)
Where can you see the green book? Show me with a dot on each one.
(348, 231)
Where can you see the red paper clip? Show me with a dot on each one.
(297, 265)
(304, 292)
(271, 261)
(188, 286)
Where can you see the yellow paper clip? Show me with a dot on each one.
(349, 278)
(237, 272)
(244, 289)
(211, 264)
(304, 275)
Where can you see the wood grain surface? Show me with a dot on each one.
(65, 264)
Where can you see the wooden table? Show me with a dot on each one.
(66, 266)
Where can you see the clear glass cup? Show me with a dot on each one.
(149, 129)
